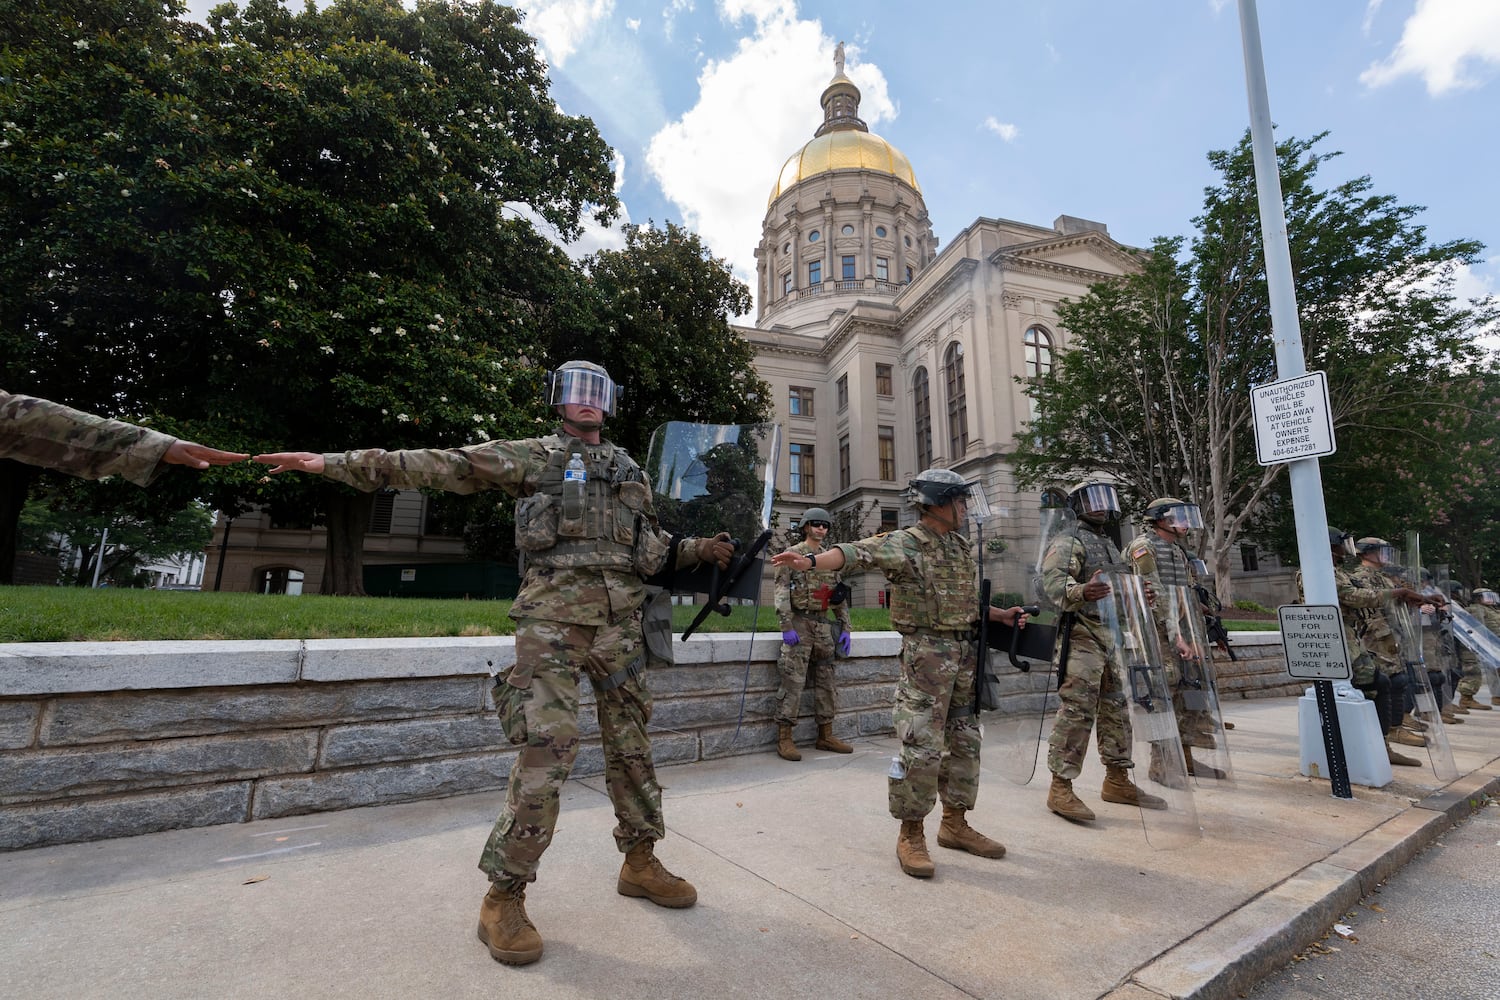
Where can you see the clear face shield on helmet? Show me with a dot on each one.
(1488, 598)
(582, 386)
(1099, 500)
(1381, 555)
(1179, 517)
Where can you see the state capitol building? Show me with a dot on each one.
(886, 355)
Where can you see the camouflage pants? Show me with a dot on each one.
(1468, 663)
(939, 755)
(556, 655)
(814, 651)
(1090, 698)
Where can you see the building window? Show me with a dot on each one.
(880, 232)
(908, 241)
(848, 230)
(786, 283)
(380, 514)
(815, 273)
(1038, 353)
(799, 401)
(958, 401)
(843, 391)
(908, 274)
(922, 407)
(888, 519)
(888, 454)
(848, 267)
(814, 236)
(882, 269)
(844, 477)
(883, 380)
(786, 248)
(1248, 558)
(800, 479)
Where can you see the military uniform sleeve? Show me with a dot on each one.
(1061, 567)
(1355, 592)
(493, 465)
(41, 432)
(784, 596)
(886, 553)
(1142, 558)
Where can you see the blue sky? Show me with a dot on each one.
(1103, 109)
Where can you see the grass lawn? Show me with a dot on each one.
(68, 614)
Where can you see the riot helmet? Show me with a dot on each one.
(1094, 500)
(1458, 591)
(936, 487)
(1377, 550)
(1487, 597)
(1174, 514)
(1341, 541)
(582, 383)
(816, 515)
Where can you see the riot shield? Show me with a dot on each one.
(1408, 632)
(1136, 658)
(1016, 697)
(708, 478)
(1486, 645)
(1197, 696)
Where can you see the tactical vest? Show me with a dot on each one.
(1099, 553)
(1171, 563)
(615, 498)
(949, 601)
(1372, 625)
(803, 586)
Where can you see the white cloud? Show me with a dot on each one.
(560, 26)
(718, 161)
(633, 23)
(1004, 130)
(1471, 283)
(1371, 9)
(1442, 42)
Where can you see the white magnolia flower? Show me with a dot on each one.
(375, 330)
(327, 349)
(400, 331)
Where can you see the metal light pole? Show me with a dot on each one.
(1306, 479)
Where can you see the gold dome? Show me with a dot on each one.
(843, 150)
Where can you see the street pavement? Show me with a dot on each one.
(1427, 934)
(799, 891)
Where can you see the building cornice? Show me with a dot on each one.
(961, 271)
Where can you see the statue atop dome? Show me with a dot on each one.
(838, 59)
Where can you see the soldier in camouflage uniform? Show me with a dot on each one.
(803, 600)
(935, 606)
(1159, 555)
(41, 432)
(1468, 661)
(1071, 567)
(1355, 603)
(578, 614)
(1379, 639)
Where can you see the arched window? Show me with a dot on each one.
(958, 407)
(922, 407)
(1038, 353)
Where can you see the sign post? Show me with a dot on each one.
(1291, 364)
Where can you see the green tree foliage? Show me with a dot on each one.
(72, 513)
(289, 230)
(1154, 387)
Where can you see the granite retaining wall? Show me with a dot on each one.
(103, 740)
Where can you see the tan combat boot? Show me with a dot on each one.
(1158, 772)
(1119, 788)
(1400, 759)
(1410, 721)
(643, 875)
(1457, 708)
(1407, 738)
(956, 833)
(1198, 770)
(785, 748)
(1449, 717)
(828, 741)
(911, 850)
(505, 929)
(1061, 800)
(1467, 701)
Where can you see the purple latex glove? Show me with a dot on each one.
(845, 641)
(790, 637)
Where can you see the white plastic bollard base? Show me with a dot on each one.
(1364, 744)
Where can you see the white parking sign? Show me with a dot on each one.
(1314, 638)
(1293, 419)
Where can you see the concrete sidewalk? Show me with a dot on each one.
(799, 891)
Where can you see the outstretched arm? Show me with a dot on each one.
(292, 461)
